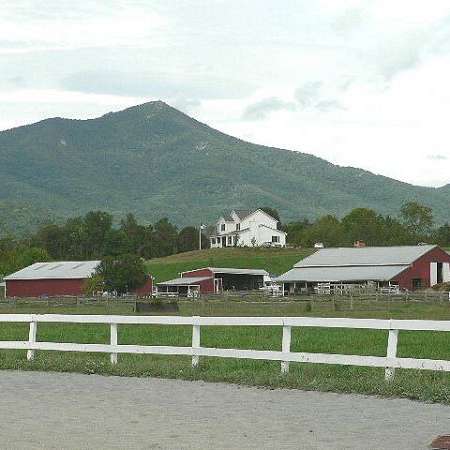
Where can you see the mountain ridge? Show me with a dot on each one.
(155, 161)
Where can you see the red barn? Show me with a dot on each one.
(212, 280)
(48, 279)
(409, 267)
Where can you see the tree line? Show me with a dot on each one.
(94, 236)
(414, 225)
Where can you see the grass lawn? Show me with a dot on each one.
(271, 259)
(422, 385)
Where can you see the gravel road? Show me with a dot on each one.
(73, 411)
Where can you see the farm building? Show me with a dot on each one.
(213, 280)
(48, 279)
(408, 267)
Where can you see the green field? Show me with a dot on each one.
(273, 260)
(422, 385)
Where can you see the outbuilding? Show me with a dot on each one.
(408, 267)
(49, 279)
(213, 280)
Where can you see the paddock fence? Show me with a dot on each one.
(390, 362)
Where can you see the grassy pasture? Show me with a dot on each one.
(271, 259)
(422, 385)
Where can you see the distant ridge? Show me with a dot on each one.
(155, 161)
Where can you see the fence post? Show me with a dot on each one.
(195, 340)
(391, 353)
(113, 341)
(285, 348)
(32, 339)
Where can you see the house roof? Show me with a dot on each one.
(243, 213)
(185, 281)
(56, 270)
(372, 256)
(341, 273)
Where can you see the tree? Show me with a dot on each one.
(188, 239)
(122, 274)
(417, 218)
(93, 284)
(327, 229)
(363, 224)
(295, 231)
(442, 235)
(165, 237)
(97, 226)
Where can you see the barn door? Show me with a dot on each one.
(445, 272)
(433, 273)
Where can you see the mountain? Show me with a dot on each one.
(155, 161)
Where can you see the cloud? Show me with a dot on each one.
(311, 96)
(56, 25)
(437, 157)
(263, 108)
(156, 84)
(308, 94)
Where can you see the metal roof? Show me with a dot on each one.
(230, 270)
(56, 270)
(235, 271)
(372, 256)
(186, 281)
(342, 273)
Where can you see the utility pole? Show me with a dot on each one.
(202, 227)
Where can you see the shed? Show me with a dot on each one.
(210, 280)
(409, 267)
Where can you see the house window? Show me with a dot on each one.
(416, 283)
(238, 226)
(222, 227)
(275, 239)
(213, 241)
(230, 240)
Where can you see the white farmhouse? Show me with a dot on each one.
(247, 229)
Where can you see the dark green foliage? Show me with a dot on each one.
(418, 218)
(188, 239)
(154, 161)
(122, 274)
(374, 229)
(15, 255)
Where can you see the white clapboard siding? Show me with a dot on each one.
(390, 362)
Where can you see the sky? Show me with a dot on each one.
(362, 83)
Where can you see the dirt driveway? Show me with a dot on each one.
(72, 411)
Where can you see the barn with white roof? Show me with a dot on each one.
(50, 279)
(408, 267)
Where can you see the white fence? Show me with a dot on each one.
(390, 362)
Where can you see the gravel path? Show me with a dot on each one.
(73, 411)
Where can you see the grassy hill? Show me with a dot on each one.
(273, 260)
(155, 161)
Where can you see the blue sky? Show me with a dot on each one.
(361, 83)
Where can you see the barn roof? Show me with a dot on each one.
(185, 281)
(56, 270)
(372, 256)
(341, 274)
(231, 270)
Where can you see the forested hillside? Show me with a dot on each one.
(154, 161)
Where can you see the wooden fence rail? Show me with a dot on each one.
(390, 362)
